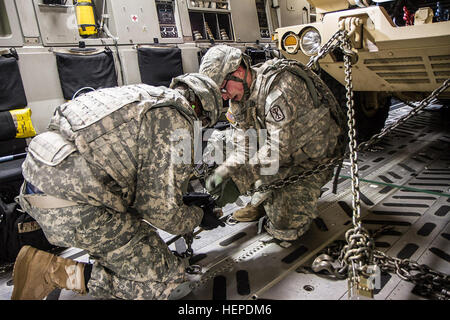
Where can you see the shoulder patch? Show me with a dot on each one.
(277, 113)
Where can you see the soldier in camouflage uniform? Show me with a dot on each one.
(303, 122)
(102, 179)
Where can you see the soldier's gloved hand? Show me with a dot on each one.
(213, 181)
(218, 176)
(210, 219)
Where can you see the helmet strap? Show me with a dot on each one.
(246, 88)
(244, 82)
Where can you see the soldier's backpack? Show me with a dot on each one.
(320, 93)
(17, 228)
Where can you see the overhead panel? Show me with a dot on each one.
(294, 12)
(144, 22)
(10, 34)
(57, 23)
(262, 19)
(210, 20)
(245, 20)
(28, 21)
(166, 18)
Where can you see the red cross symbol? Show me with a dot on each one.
(134, 18)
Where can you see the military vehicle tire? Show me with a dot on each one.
(445, 110)
(367, 124)
(444, 102)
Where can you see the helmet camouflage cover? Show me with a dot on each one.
(219, 61)
(206, 90)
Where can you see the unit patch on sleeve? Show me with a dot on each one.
(277, 113)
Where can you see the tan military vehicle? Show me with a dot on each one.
(407, 60)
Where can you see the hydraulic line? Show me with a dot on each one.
(108, 33)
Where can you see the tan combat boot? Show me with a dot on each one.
(249, 213)
(37, 273)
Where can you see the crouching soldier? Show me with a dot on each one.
(305, 128)
(101, 179)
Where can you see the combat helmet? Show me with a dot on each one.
(220, 61)
(206, 90)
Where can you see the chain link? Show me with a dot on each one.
(313, 63)
(189, 239)
(429, 283)
(331, 163)
(324, 50)
(416, 109)
(337, 41)
(358, 250)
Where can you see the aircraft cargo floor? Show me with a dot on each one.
(405, 185)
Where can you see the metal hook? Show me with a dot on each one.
(353, 55)
(194, 269)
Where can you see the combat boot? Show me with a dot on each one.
(36, 273)
(249, 213)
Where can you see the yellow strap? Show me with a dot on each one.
(22, 121)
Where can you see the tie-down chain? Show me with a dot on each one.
(358, 259)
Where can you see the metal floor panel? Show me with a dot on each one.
(407, 157)
(237, 263)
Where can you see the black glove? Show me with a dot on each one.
(210, 220)
(207, 203)
(196, 199)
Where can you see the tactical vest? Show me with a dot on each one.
(320, 93)
(103, 126)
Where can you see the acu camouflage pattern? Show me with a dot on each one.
(206, 90)
(219, 61)
(130, 260)
(311, 130)
(291, 210)
(125, 185)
